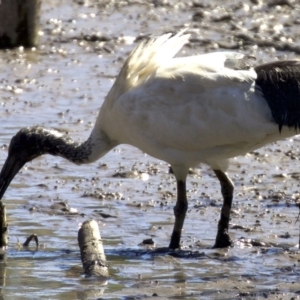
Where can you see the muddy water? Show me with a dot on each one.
(62, 84)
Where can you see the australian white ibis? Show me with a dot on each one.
(186, 111)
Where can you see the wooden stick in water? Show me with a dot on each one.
(19, 23)
(91, 250)
(3, 227)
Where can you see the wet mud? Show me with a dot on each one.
(62, 83)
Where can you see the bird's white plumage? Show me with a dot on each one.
(186, 110)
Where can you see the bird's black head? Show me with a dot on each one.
(24, 147)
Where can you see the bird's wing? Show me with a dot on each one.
(214, 61)
(192, 108)
(144, 61)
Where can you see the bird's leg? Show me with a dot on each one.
(223, 240)
(179, 212)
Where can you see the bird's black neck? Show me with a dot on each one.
(52, 142)
(65, 147)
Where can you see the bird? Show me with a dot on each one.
(184, 110)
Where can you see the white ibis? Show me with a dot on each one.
(186, 111)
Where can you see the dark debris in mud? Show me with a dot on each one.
(104, 215)
(30, 238)
(59, 208)
(155, 252)
(207, 253)
(100, 194)
(264, 294)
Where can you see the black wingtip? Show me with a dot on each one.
(279, 83)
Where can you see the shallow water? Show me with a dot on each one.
(62, 85)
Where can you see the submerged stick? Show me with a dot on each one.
(91, 250)
(19, 23)
(3, 226)
(30, 238)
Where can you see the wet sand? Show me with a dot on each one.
(62, 84)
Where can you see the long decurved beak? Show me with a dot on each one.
(9, 170)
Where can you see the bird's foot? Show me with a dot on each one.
(175, 241)
(223, 240)
(174, 246)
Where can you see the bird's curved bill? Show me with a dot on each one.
(11, 167)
